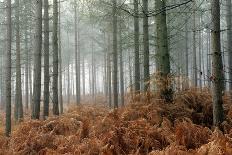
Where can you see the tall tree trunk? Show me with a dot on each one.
(78, 74)
(146, 46)
(130, 74)
(209, 59)
(37, 60)
(194, 48)
(18, 113)
(217, 71)
(136, 42)
(68, 89)
(200, 55)
(46, 59)
(163, 56)
(186, 56)
(83, 75)
(89, 68)
(60, 65)
(229, 41)
(109, 73)
(105, 74)
(115, 55)
(109, 80)
(55, 59)
(26, 69)
(121, 63)
(30, 83)
(77, 58)
(8, 69)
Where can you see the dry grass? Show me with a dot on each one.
(155, 128)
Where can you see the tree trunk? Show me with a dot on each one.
(8, 69)
(136, 43)
(83, 75)
(55, 59)
(217, 71)
(37, 60)
(115, 55)
(200, 54)
(46, 60)
(163, 56)
(146, 46)
(26, 69)
(109, 80)
(68, 89)
(121, 63)
(77, 58)
(229, 41)
(186, 56)
(60, 65)
(209, 59)
(194, 49)
(18, 113)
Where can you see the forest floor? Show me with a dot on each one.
(156, 128)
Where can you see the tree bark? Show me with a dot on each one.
(60, 64)
(194, 48)
(136, 43)
(83, 75)
(18, 112)
(115, 55)
(77, 63)
(37, 60)
(229, 41)
(26, 68)
(217, 70)
(8, 68)
(121, 63)
(186, 56)
(146, 46)
(46, 60)
(163, 56)
(55, 58)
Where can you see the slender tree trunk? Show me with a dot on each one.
(83, 75)
(68, 89)
(55, 59)
(136, 42)
(186, 56)
(90, 82)
(37, 60)
(146, 46)
(78, 74)
(194, 48)
(121, 63)
(217, 71)
(30, 83)
(105, 73)
(92, 74)
(26, 70)
(109, 80)
(163, 56)
(115, 54)
(46, 60)
(77, 58)
(130, 74)
(229, 41)
(60, 65)
(8, 69)
(18, 113)
(200, 54)
(209, 59)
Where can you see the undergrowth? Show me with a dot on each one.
(183, 127)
